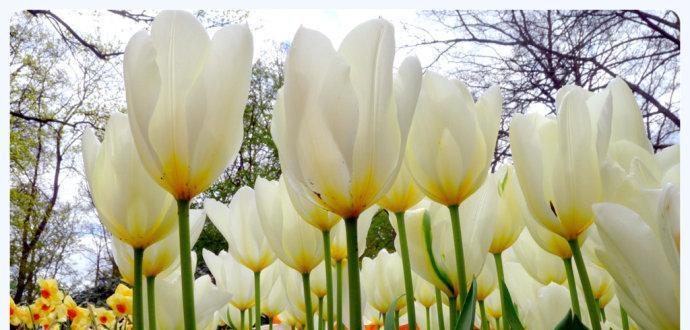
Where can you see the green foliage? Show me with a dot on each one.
(466, 319)
(390, 321)
(381, 234)
(570, 322)
(210, 239)
(511, 317)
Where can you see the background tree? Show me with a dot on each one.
(53, 95)
(531, 54)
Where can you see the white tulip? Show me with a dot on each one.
(239, 224)
(186, 95)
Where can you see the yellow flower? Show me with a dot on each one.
(49, 290)
(121, 304)
(16, 313)
(123, 290)
(71, 310)
(43, 306)
(104, 317)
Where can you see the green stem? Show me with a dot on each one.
(309, 311)
(485, 320)
(501, 282)
(270, 325)
(242, 319)
(568, 262)
(439, 310)
(624, 319)
(397, 320)
(151, 301)
(250, 317)
(339, 293)
(138, 299)
(353, 274)
(601, 310)
(498, 323)
(186, 266)
(407, 273)
(453, 302)
(592, 307)
(320, 313)
(257, 298)
(428, 319)
(329, 277)
(459, 254)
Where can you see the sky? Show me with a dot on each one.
(269, 27)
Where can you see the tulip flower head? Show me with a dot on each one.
(208, 299)
(161, 257)
(238, 224)
(346, 107)
(558, 160)
(232, 277)
(643, 259)
(452, 139)
(295, 242)
(382, 281)
(541, 265)
(431, 242)
(130, 204)
(186, 95)
(511, 209)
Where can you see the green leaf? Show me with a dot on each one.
(511, 317)
(390, 315)
(570, 322)
(466, 319)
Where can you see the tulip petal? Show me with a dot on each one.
(635, 259)
(576, 176)
(216, 103)
(183, 47)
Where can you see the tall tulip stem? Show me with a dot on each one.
(459, 254)
(186, 265)
(407, 273)
(138, 299)
(439, 310)
(592, 306)
(320, 313)
(242, 319)
(353, 274)
(329, 277)
(397, 320)
(151, 301)
(309, 311)
(485, 320)
(624, 319)
(250, 317)
(453, 306)
(339, 293)
(568, 262)
(257, 298)
(501, 282)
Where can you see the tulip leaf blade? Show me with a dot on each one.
(570, 322)
(389, 323)
(466, 319)
(428, 244)
(511, 316)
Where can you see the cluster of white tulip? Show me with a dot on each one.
(354, 136)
